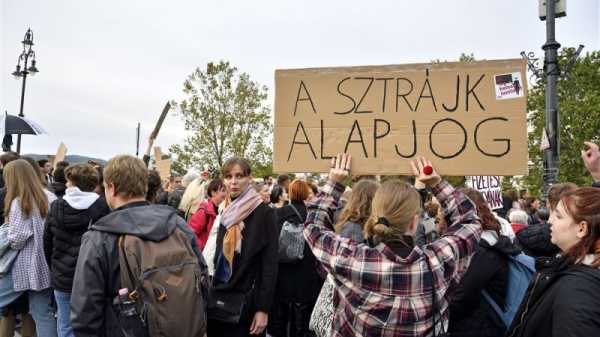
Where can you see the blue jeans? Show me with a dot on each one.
(63, 303)
(42, 313)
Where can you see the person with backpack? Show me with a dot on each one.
(245, 258)
(298, 283)
(26, 207)
(67, 221)
(390, 287)
(471, 313)
(562, 299)
(139, 271)
(202, 221)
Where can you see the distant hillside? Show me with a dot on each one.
(72, 159)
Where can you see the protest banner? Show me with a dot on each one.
(163, 166)
(61, 153)
(467, 118)
(490, 187)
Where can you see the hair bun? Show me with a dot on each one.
(382, 230)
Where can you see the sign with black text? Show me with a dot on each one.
(468, 118)
(490, 187)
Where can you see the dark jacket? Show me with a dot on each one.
(304, 273)
(2, 198)
(62, 237)
(174, 197)
(97, 277)
(255, 268)
(470, 313)
(562, 301)
(534, 240)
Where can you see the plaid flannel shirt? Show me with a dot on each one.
(379, 293)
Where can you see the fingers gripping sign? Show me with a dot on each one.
(340, 167)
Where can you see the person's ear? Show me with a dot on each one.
(582, 230)
(414, 223)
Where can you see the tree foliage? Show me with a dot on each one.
(226, 114)
(579, 113)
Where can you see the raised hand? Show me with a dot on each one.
(340, 167)
(420, 168)
(591, 159)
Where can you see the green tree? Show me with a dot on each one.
(226, 113)
(579, 109)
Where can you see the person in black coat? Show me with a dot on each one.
(470, 313)
(59, 184)
(67, 221)
(534, 240)
(562, 299)
(245, 265)
(298, 284)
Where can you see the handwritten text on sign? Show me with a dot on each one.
(459, 115)
(491, 188)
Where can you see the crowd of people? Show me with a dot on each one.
(87, 250)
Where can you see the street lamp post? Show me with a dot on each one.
(27, 55)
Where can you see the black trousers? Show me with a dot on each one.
(242, 329)
(292, 317)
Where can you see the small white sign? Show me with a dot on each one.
(545, 145)
(508, 86)
(491, 188)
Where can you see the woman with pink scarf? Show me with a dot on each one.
(245, 258)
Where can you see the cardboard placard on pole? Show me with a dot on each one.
(61, 153)
(164, 169)
(468, 118)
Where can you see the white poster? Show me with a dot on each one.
(508, 86)
(490, 187)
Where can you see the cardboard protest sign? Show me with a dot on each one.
(490, 187)
(61, 153)
(467, 118)
(163, 166)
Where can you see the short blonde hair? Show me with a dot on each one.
(398, 203)
(128, 175)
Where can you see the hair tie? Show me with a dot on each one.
(383, 221)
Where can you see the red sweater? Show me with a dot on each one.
(202, 221)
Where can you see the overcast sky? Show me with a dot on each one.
(105, 65)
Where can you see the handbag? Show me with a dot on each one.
(291, 240)
(322, 314)
(225, 306)
(7, 254)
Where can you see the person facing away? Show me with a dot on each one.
(26, 207)
(518, 220)
(245, 258)
(194, 193)
(470, 314)
(69, 218)
(391, 287)
(97, 278)
(562, 299)
(353, 217)
(58, 185)
(298, 283)
(202, 221)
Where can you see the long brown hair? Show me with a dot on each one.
(583, 204)
(398, 203)
(23, 183)
(488, 220)
(358, 208)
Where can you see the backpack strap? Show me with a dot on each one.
(128, 280)
(296, 211)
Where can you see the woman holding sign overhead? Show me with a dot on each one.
(390, 287)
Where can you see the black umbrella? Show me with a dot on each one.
(19, 125)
